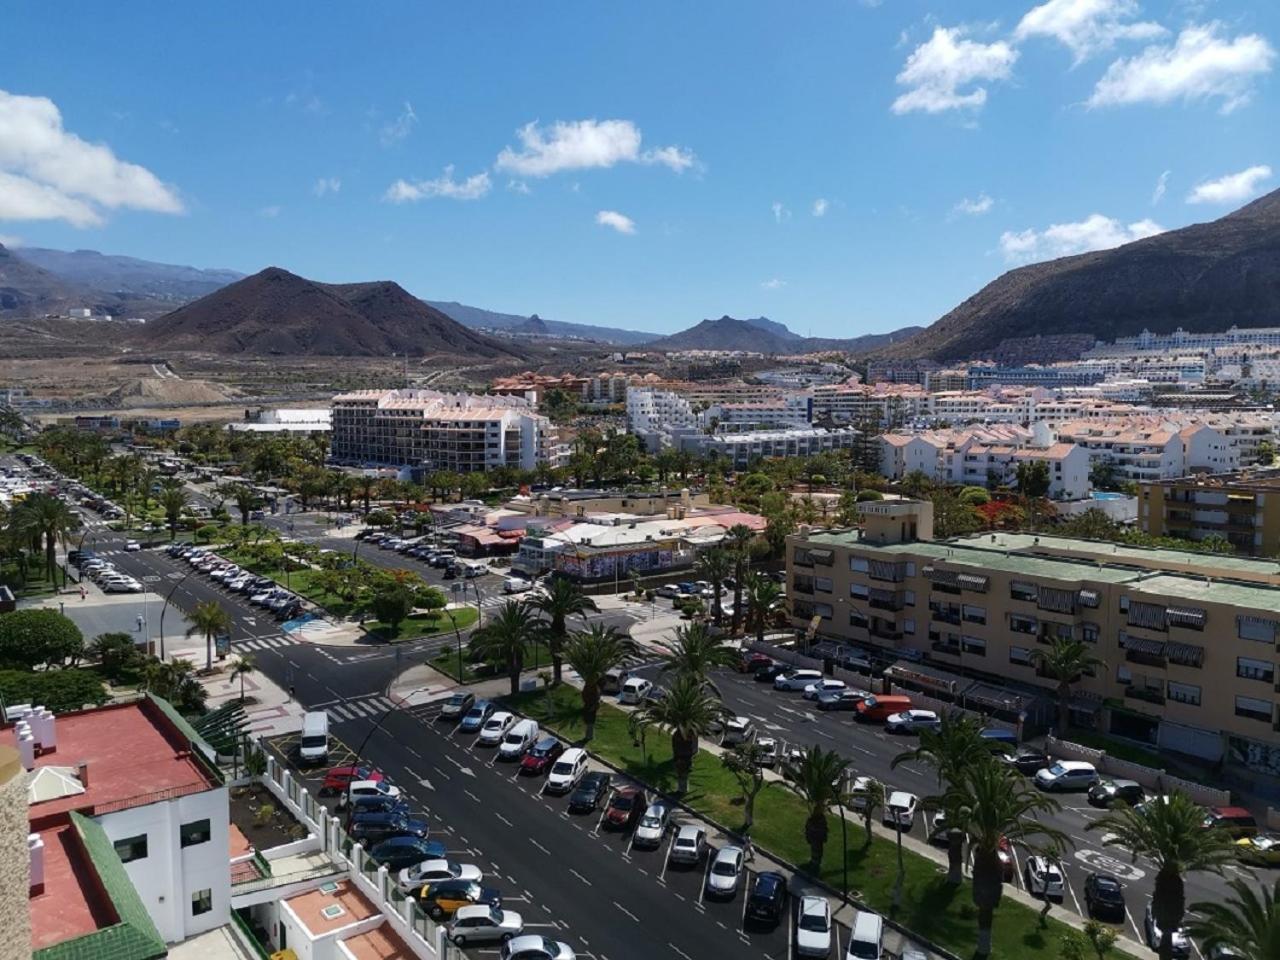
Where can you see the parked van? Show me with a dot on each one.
(1236, 821)
(518, 740)
(634, 690)
(313, 747)
(866, 939)
(879, 708)
(567, 771)
(611, 682)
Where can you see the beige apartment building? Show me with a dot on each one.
(1187, 642)
(1243, 508)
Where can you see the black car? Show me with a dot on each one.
(767, 899)
(1104, 897)
(359, 806)
(770, 673)
(369, 828)
(1104, 793)
(397, 853)
(1029, 761)
(442, 898)
(591, 789)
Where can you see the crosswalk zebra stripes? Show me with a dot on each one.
(264, 643)
(366, 707)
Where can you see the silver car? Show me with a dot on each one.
(483, 923)
(652, 827)
(725, 875)
(531, 947)
(690, 845)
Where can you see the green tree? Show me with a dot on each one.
(59, 690)
(175, 681)
(872, 800)
(392, 605)
(46, 521)
(1266, 452)
(739, 537)
(687, 712)
(117, 655)
(561, 599)
(1246, 923)
(241, 668)
(764, 596)
(952, 517)
(746, 763)
(592, 653)
(695, 652)
(1033, 483)
(246, 502)
(1171, 834)
(506, 638)
(1065, 660)
(715, 565)
(816, 779)
(173, 500)
(209, 620)
(38, 637)
(975, 496)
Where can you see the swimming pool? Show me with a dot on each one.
(1101, 495)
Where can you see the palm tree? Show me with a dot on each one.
(209, 620)
(44, 520)
(696, 652)
(817, 779)
(243, 666)
(1171, 834)
(246, 502)
(872, 800)
(1064, 661)
(505, 639)
(1247, 924)
(739, 536)
(763, 597)
(715, 565)
(688, 711)
(173, 499)
(951, 750)
(593, 653)
(561, 600)
(992, 802)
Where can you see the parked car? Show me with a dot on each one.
(541, 756)
(567, 771)
(1104, 793)
(483, 923)
(400, 852)
(442, 898)
(752, 661)
(841, 700)
(457, 705)
(1260, 851)
(477, 716)
(590, 791)
(767, 899)
(766, 751)
(1044, 877)
(858, 793)
(495, 728)
(900, 809)
(1153, 933)
(132, 546)
(813, 927)
(1104, 897)
(725, 875)
(370, 828)
(738, 730)
(689, 846)
(913, 721)
(531, 947)
(625, 806)
(371, 788)
(339, 778)
(635, 690)
(652, 828)
(376, 804)
(770, 673)
(796, 679)
(815, 690)
(1235, 821)
(1067, 775)
(1028, 762)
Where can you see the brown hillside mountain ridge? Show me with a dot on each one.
(277, 312)
(31, 291)
(761, 335)
(1205, 277)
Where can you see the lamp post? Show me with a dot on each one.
(844, 846)
(456, 588)
(167, 598)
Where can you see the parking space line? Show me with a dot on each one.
(666, 861)
(706, 874)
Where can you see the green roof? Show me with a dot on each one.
(1236, 593)
(133, 936)
(1125, 553)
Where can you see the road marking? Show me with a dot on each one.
(626, 911)
(677, 950)
(503, 819)
(580, 876)
(540, 846)
(472, 796)
(666, 861)
(1104, 863)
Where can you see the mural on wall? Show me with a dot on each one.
(1259, 757)
(609, 565)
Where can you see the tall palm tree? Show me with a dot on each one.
(715, 565)
(763, 597)
(246, 501)
(816, 778)
(593, 653)
(739, 537)
(561, 599)
(506, 638)
(1064, 661)
(951, 750)
(173, 499)
(208, 620)
(992, 802)
(696, 652)
(1247, 923)
(1171, 834)
(687, 712)
(243, 666)
(44, 521)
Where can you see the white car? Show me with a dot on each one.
(1181, 945)
(122, 586)
(690, 844)
(567, 771)
(813, 927)
(429, 871)
(483, 923)
(495, 728)
(796, 679)
(900, 808)
(767, 751)
(132, 546)
(725, 874)
(861, 789)
(814, 690)
(1044, 877)
(516, 585)
(532, 947)
(372, 788)
(1067, 775)
(912, 721)
(652, 827)
(634, 690)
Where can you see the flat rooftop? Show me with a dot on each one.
(380, 943)
(331, 907)
(135, 755)
(69, 905)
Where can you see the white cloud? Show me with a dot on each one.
(326, 185)
(1233, 188)
(774, 283)
(1162, 185)
(518, 186)
(1095, 232)
(10, 240)
(406, 191)
(820, 207)
(399, 128)
(271, 212)
(1200, 65)
(1086, 27)
(585, 145)
(943, 72)
(780, 211)
(51, 174)
(615, 220)
(974, 208)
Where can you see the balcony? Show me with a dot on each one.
(1147, 694)
(1145, 659)
(949, 649)
(891, 603)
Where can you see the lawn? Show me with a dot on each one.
(932, 908)
(447, 663)
(36, 583)
(423, 625)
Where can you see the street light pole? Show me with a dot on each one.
(167, 598)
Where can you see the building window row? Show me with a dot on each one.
(1249, 669)
(1187, 693)
(1254, 709)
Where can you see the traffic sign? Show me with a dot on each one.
(1105, 863)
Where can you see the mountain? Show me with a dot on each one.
(1205, 277)
(277, 312)
(774, 327)
(129, 275)
(480, 319)
(28, 290)
(761, 335)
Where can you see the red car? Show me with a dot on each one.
(541, 756)
(339, 778)
(625, 807)
(752, 662)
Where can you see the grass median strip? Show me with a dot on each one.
(931, 908)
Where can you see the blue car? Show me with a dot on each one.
(397, 853)
(474, 718)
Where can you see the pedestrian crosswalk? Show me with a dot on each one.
(360, 708)
(264, 643)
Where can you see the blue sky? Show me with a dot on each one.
(639, 165)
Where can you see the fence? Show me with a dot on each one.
(1158, 780)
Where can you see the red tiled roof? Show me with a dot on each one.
(71, 904)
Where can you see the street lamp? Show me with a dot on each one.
(456, 588)
(844, 845)
(167, 598)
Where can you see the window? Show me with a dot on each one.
(859, 591)
(822, 584)
(974, 645)
(132, 848)
(909, 598)
(1250, 669)
(195, 832)
(1124, 604)
(201, 902)
(1187, 693)
(1020, 624)
(1089, 632)
(911, 568)
(973, 614)
(802, 557)
(1021, 590)
(822, 610)
(1254, 708)
(1256, 628)
(1020, 655)
(909, 627)
(859, 564)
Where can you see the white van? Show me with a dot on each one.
(866, 939)
(634, 690)
(313, 747)
(518, 740)
(567, 771)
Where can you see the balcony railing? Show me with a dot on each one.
(1144, 693)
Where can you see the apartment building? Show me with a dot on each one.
(662, 416)
(430, 430)
(1243, 508)
(742, 449)
(1188, 643)
(1181, 340)
(607, 387)
(884, 404)
(1152, 448)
